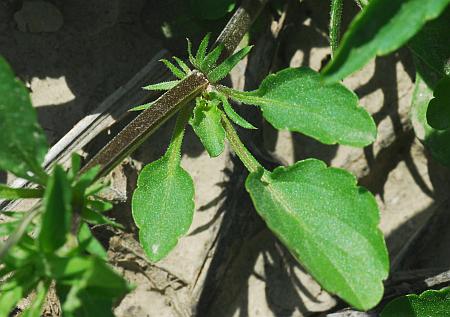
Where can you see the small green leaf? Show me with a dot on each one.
(438, 112)
(328, 224)
(211, 59)
(14, 289)
(297, 99)
(99, 205)
(89, 243)
(142, 107)
(7, 228)
(175, 70)
(92, 291)
(191, 57)
(57, 215)
(211, 10)
(233, 115)
(10, 193)
(182, 65)
(206, 123)
(221, 71)
(35, 309)
(202, 48)
(75, 167)
(23, 144)
(382, 27)
(163, 202)
(165, 85)
(430, 303)
(95, 218)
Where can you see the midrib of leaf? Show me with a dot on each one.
(284, 203)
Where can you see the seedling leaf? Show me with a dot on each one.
(202, 48)
(175, 70)
(233, 115)
(165, 85)
(211, 59)
(23, 144)
(163, 202)
(221, 71)
(381, 28)
(430, 303)
(296, 99)
(206, 123)
(57, 214)
(328, 224)
(10, 193)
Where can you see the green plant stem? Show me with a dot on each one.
(335, 24)
(239, 148)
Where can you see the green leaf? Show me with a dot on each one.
(175, 70)
(10, 193)
(211, 59)
(94, 218)
(211, 10)
(165, 85)
(296, 99)
(233, 115)
(6, 228)
(431, 56)
(14, 289)
(75, 167)
(35, 309)
(162, 206)
(379, 29)
(191, 57)
(163, 202)
(438, 112)
(431, 46)
(430, 303)
(182, 65)
(221, 71)
(57, 215)
(328, 224)
(201, 52)
(142, 107)
(92, 291)
(89, 243)
(207, 125)
(23, 144)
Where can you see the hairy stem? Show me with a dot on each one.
(174, 150)
(239, 148)
(335, 24)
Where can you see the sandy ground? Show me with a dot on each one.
(72, 54)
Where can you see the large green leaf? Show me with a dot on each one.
(430, 303)
(328, 224)
(297, 99)
(163, 202)
(382, 27)
(206, 123)
(57, 215)
(22, 143)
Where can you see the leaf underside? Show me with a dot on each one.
(328, 224)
